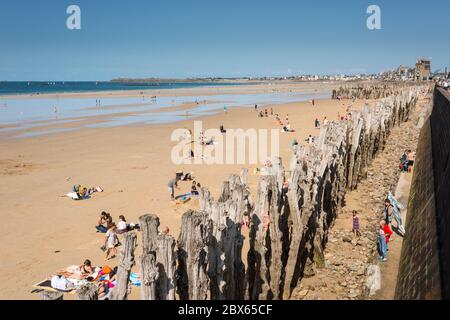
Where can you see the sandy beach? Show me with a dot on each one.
(43, 232)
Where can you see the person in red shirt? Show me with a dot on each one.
(387, 232)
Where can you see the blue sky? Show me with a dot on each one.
(188, 38)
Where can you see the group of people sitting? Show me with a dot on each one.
(80, 192)
(407, 161)
(106, 225)
(181, 176)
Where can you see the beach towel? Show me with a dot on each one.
(72, 195)
(396, 206)
(46, 285)
(183, 198)
(135, 279)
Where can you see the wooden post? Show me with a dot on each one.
(193, 280)
(149, 225)
(150, 275)
(50, 295)
(166, 258)
(158, 261)
(126, 262)
(88, 291)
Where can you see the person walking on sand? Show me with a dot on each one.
(225, 109)
(171, 187)
(317, 124)
(111, 241)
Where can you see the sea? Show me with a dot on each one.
(25, 110)
(41, 87)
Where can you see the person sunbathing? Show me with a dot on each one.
(86, 268)
(105, 286)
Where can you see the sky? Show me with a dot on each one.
(212, 38)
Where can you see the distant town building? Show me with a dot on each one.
(405, 73)
(423, 69)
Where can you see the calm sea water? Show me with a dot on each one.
(23, 116)
(24, 87)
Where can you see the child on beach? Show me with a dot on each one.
(356, 226)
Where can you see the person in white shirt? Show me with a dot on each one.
(111, 242)
(122, 225)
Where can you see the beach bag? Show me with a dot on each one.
(106, 270)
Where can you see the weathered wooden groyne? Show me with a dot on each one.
(289, 216)
(371, 91)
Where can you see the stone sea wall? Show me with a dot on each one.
(425, 260)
